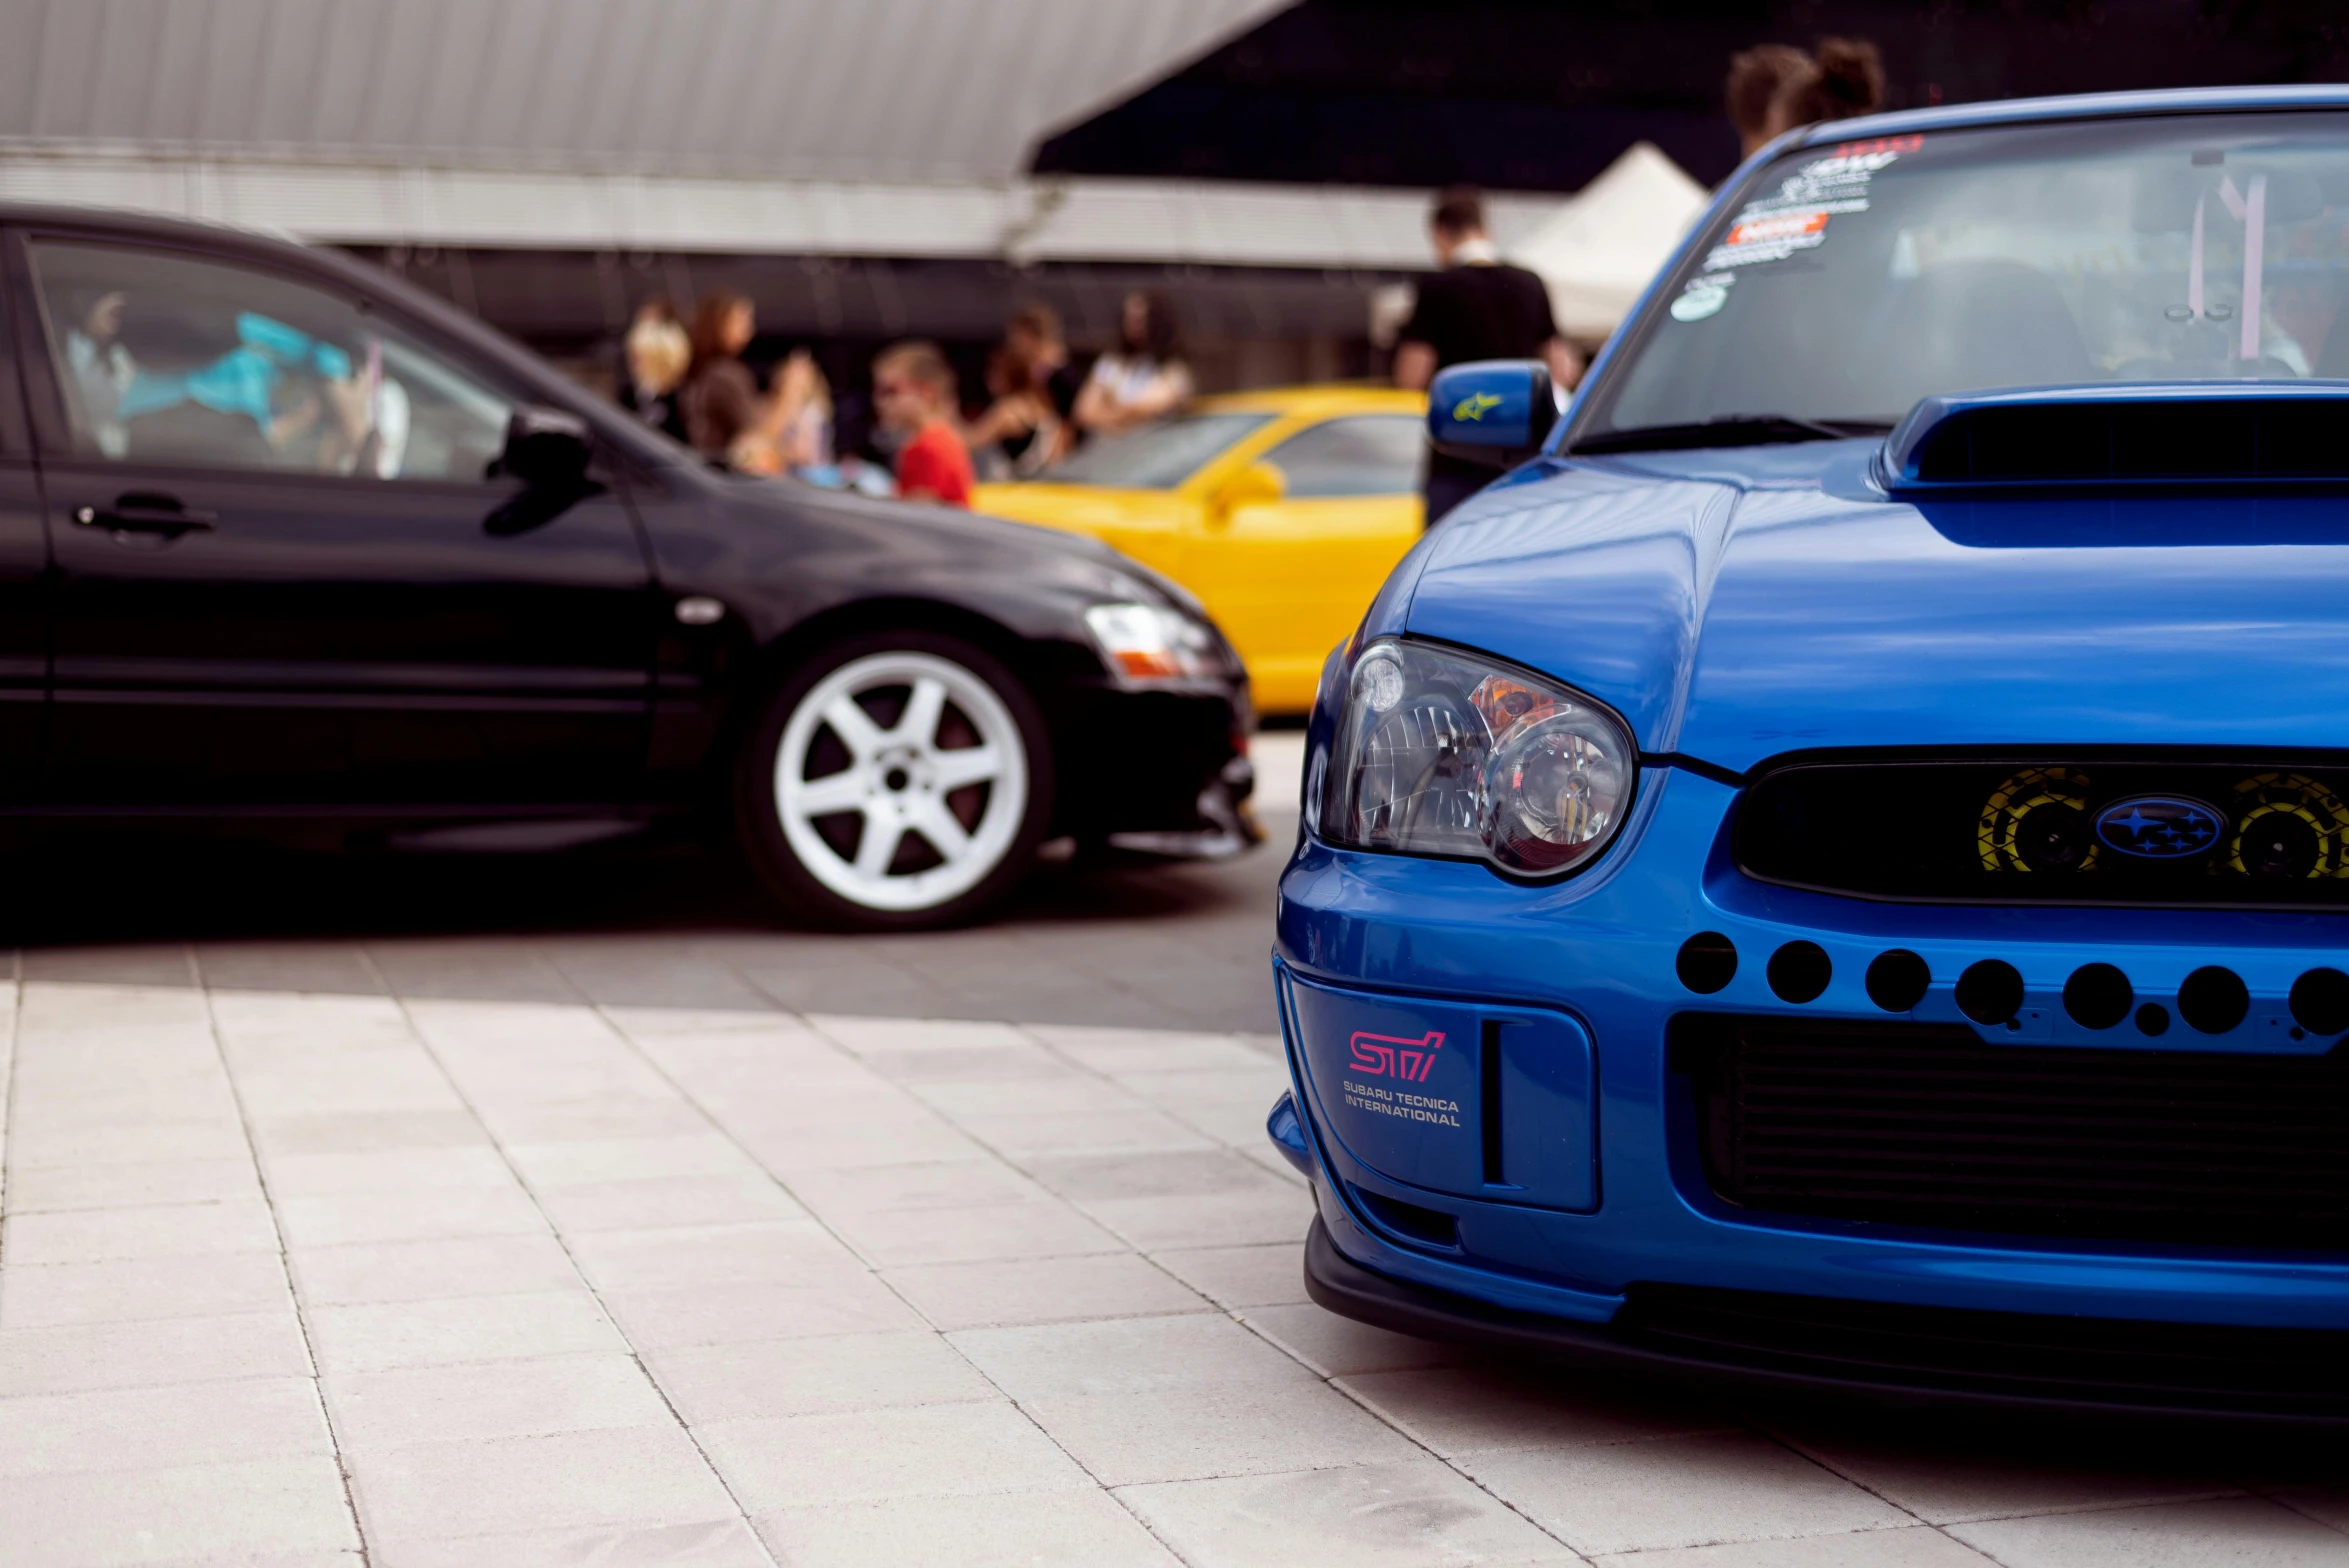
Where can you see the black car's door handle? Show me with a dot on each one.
(138, 513)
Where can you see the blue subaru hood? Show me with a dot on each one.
(1735, 605)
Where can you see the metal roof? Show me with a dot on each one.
(946, 91)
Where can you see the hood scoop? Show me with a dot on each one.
(2107, 437)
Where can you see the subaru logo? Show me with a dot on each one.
(2160, 827)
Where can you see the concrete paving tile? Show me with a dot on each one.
(579, 1162)
(1406, 1514)
(2328, 1504)
(1042, 1290)
(1337, 1347)
(753, 1016)
(1244, 1428)
(611, 1476)
(668, 1202)
(717, 1543)
(1125, 1356)
(365, 1132)
(924, 1450)
(1022, 1137)
(476, 1328)
(1102, 1178)
(922, 1034)
(1268, 1275)
(317, 967)
(492, 1399)
(1223, 1219)
(162, 1350)
(1464, 1410)
(175, 1230)
(782, 1252)
(1006, 1530)
(997, 1230)
(435, 1268)
(346, 1218)
(1238, 1124)
(1252, 1080)
(1056, 1090)
(1009, 1066)
(255, 1024)
(404, 1079)
(1947, 1485)
(161, 1428)
(723, 1314)
(2250, 1531)
(946, 1184)
(106, 977)
(46, 1187)
(249, 1511)
(805, 1376)
(1917, 1546)
(1122, 1051)
(1680, 1491)
(631, 1116)
(386, 1170)
(477, 973)
(853, 1145)
(49, 1295)
(125, 1143)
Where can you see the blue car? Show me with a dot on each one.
(1833, 871)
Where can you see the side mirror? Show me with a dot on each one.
(546, 448)
(1495, 411)
(1259, 484)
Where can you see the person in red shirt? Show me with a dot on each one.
(913, 393)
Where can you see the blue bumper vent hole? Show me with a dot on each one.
(2098, 996)
(2320, 1001)
(1898, 980)
(1707, 962)
(2213, 1000)
(1990, 992)
(1431, 1226)
(1799, 971)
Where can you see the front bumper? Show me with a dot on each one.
(1160, 771)
(1444, 947)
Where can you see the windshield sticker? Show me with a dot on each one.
(1704, 296)
(1795, 216)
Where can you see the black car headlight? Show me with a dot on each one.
(1157, 645)
(1441, 752)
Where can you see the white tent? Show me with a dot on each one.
(1603, 245)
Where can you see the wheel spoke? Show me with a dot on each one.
(919, 723)
(854, 727)
(937, 824)
(951, 770)
(879, 845)
(844, 791)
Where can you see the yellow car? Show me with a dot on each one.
(1283, 511)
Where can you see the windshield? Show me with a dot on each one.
(1861, 277)
(1156, 457)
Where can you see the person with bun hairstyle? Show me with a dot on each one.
(1843, 79)
(1755, 75)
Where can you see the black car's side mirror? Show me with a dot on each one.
(546, 448)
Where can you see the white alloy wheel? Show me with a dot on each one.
(901, 781)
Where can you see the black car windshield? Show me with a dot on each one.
(1861, 276)
(1156, 457)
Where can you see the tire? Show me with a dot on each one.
(924, 738)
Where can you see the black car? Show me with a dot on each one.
(287, 544)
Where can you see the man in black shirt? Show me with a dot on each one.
(1475, 308)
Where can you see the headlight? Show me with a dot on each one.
(1144, 644)
(1444, 753)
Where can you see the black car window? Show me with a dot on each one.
(168, 358)
(1159, 456)
(1361, 454)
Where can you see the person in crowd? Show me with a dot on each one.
(657, 353)
(720, 398)
(1476, 307)
(103, 370)
(1841, 78)
(913, 395)
(1144, 377)
(793, 433)
(1755, 76)
(1027, 425)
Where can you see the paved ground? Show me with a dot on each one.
(594, 1246)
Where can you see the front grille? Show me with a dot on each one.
(1926, 1126)
(2302, 1371)
(2068, 830)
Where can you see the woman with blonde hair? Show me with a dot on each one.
(658, 354)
